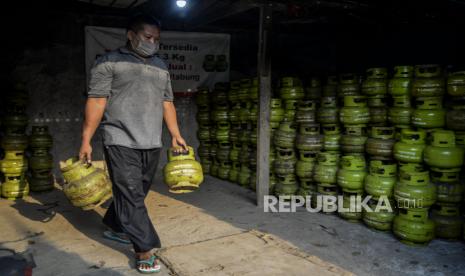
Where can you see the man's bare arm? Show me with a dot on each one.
(94, 110)
(169, 114)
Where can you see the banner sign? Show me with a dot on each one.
(193, 59)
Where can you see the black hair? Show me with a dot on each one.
(137, 21)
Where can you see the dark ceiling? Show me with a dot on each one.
(298, 15)
(332, 33)
(289, 16)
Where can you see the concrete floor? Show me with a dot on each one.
(67, 241)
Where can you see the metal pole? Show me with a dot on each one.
(264, 78)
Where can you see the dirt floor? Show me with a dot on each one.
(217, 230)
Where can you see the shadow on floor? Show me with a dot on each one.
(49, 260)
(88, 223)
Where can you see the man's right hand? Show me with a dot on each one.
(85, 153)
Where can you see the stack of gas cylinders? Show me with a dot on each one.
(396, 136)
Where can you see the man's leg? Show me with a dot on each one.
(110, 219)
(125, 168)
(149, 170)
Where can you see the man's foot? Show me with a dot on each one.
(115, 236)
(147, 263)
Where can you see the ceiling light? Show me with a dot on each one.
(181, 3)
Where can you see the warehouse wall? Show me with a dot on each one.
(56, 86)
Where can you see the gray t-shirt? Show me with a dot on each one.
(136, 90)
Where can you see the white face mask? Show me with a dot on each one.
(145, 48)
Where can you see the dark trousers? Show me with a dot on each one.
(132, 171)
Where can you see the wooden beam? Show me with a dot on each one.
(264, 78)
(132, 4)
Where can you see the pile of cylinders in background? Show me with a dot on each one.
(396, 134)
(21, 152)
(40, 175)
(14, 164)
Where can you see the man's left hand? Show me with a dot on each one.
(179, 144)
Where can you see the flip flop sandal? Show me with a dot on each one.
(119, 237)
(151, 266)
